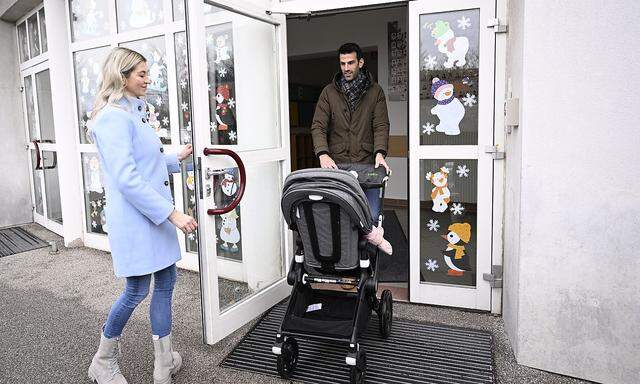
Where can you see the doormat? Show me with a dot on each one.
(394, 268)
(414, 353)
(15, 240)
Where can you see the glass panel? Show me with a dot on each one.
(157, 98)
(134, 14)
(178, 9)
(94, 197)
(222, 87)
(45, 109)
(89, 19)
(37, 187)
(448, 206)
(52, 186)
(31, 111)
(183, 86)
(34, 35)
(245, 268)
(189, 202)
(22, 41)
(43, 30)
(87, 67)
(449, 58)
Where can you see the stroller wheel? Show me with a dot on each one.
(385, 314)
(288, 359)
(359, 371)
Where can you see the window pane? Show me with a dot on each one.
(89, 19)
(94, 197)
(449, 59)
(45, 109)
(43, 30)
(222, 87)
(178, 9)
(23, 44)
(134, 14)
(87, 67)
(157, 98)
(34, 35)
(37, 187)
(31, 111)
(52, 186)
(183, 86)
(448, 221)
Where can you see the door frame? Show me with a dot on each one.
(486, 297)
(218, 324)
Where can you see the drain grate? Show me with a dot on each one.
(15, 240)
(414, 353)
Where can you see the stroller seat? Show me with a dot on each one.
(330, 213)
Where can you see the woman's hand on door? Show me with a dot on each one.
(183, 222)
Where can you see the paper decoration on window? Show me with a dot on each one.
(449, 109)
(94, 194)
(228, 226)
(397, 48)
(440, 194)
(454, 255)
(134, 14)
(89, 19)
(432, 265)
(229, 233)
(455, 48)
(184, 88)
(221, 77)
(87, 69)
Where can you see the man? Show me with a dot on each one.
(351, 124)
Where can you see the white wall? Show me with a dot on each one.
(15, 192)
(572, 303)
(367, 29)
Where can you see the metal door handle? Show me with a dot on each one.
(243, 179)
(38, 158)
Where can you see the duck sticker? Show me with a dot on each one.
(449, 109)
(455, 48)
(440, 194)
(454, 255)
(229, 233)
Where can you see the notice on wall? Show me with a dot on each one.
(398, 71)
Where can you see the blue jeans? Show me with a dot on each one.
(373, 196)
(136, 289)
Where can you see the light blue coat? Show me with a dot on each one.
(139, 200)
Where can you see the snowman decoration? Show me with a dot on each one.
(222, 49)
(141, 14)
(449, 109)
(229, 233)
(455, 48)
(155, 74)
(95, 185)
(440, 194)
(229, 186)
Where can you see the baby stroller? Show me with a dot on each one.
(330, 213)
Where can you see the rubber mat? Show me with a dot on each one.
(394, 268)
(15, 240)
(414, 353)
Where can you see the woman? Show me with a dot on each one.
(140, 213)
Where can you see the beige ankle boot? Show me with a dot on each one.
(167, 362)
(104, 365)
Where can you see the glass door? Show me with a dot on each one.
(451, 174)
(42, 147)
(238, 82)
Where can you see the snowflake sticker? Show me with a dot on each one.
(191, 236)
(232, 136)
(94, 224)
(213, 126)
(223, 72)
(433, 225)
(183, 83)
(165, 121)
(464, 23)
(209, 87)
(432, 265)
(192, 199)
(430, 62)
(428, 129)
(462, 171)
(457, 208)
(184, 106)
(469, 100)
(232, 103)
(159, 101)
(83, 123)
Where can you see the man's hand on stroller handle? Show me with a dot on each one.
(380, 161)
(327, 162)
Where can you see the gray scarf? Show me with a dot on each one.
(355, 88)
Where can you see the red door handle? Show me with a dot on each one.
(243, 179)
(38, 158)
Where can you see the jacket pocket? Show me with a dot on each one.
(336, 148)
(368, 147)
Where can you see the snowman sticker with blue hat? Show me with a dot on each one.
(449, 109)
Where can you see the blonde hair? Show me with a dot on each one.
(117, 67)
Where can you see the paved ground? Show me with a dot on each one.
(52, 307)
